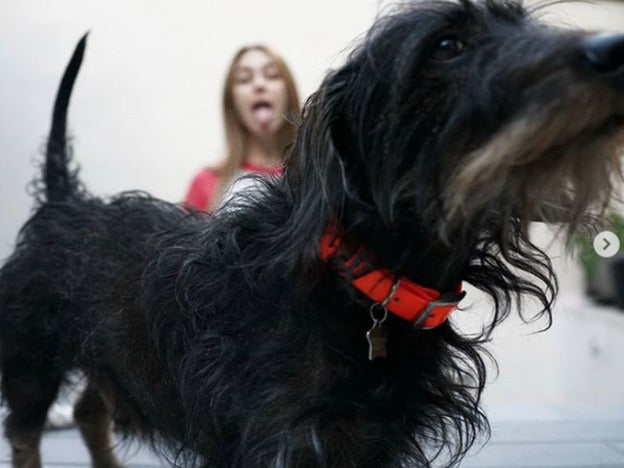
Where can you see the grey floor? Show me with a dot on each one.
(574, 443)
(64, 448)
(521, 443)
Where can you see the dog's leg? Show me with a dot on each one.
(93, 416)
(29, 391)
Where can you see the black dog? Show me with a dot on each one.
(303, 325)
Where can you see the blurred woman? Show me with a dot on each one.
(258, 98)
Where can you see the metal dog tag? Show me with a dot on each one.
(377, 338)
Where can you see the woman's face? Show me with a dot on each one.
(259, 92)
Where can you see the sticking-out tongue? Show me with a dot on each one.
(263, 114)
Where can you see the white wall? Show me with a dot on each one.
(146, 107)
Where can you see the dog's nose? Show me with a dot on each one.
(605, 52)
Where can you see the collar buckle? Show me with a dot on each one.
(447, 299)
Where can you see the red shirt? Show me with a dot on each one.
(204, 185)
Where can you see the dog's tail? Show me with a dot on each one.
(59, 181)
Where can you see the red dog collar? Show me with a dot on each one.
(424, 307)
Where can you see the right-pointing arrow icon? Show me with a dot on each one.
(606, 244)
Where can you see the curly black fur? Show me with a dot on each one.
(224, 338)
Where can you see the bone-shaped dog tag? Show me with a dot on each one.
(377, 338)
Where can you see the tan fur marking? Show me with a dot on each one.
(552, 164)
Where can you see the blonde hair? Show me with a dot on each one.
(236, 135)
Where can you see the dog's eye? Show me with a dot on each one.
(447, 47)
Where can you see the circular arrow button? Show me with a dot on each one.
(606, 244)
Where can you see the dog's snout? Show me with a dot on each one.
(604, 52)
